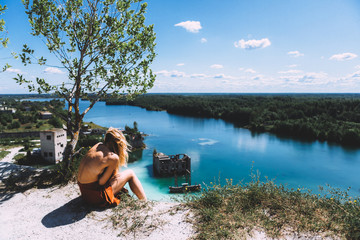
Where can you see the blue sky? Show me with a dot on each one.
(229, 46)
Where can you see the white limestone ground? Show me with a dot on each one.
(59, 213)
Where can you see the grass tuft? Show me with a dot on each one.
(131, 215)
(3, 154)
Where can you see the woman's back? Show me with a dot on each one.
(93, 164)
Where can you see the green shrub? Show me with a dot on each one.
(230, 211)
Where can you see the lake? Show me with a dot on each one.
(220, 151)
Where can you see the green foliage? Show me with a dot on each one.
(13, 141)
(230, 211)
(88, 141)
(56, 122)
(335, 118)
(3, 154)
(93, 38)
(30, 160)
(3, 40)
(14, 124)
(5, 118)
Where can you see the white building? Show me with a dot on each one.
(45, 115)
(53, 143)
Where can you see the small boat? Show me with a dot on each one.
(185, 187)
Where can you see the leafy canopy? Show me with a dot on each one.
(104, 45)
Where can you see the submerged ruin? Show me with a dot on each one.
(174, 165)
(171, 165)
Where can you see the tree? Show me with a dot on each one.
(104, 45)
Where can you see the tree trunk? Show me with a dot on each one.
(70, 149)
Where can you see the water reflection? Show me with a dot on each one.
(257, 143)
(179, 120)
(205, 141)
(135, 155)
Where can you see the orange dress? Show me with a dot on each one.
(97, 195)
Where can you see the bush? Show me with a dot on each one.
(15, 124)
(56, 122)
(39, 124)
(88, 140)
(230, 211)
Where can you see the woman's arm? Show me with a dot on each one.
(109, 171)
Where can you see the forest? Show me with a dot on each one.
(325, 117)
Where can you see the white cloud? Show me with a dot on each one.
(258, 77)
(313, 76)
(253, 44)
(190, 26)
(217, 66)
(307, 78)
(240, 69)
(351, 81)
(180, 64)
(14, 70)
(343, 56)
(292, 66)
(203, 40)
(173, 73)
(295, 54)
(198, 75)
(223, 76)
(53, 70)
(357, 67)
(356, 75)
(291, 71)
(250, 70)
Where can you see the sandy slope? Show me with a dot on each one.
(59, 213)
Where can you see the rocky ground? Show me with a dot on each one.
(59, 213)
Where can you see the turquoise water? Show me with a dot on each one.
(218, 149)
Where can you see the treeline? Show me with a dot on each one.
(15, 114)
(332, 118)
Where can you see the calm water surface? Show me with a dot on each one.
(218, 149)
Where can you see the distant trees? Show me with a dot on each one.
(333, 118)
(27, 113)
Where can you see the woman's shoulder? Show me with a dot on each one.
(111, 156)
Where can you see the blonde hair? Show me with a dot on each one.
(116, 142)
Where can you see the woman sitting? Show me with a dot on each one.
(99, 178)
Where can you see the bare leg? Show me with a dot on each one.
(120, 179)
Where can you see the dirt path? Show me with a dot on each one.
(9, 158)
